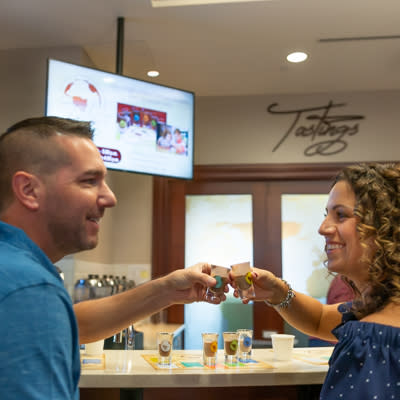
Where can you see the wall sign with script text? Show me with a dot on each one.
(324, 130)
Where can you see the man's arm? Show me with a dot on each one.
(101, 318)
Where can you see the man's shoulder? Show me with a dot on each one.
(19, 270)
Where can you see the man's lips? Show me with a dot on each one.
(95, 220)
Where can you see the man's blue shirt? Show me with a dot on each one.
(39, 346)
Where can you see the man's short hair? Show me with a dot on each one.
(29, 146)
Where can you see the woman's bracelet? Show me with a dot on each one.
(286, 301)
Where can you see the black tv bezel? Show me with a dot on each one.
(49, 59)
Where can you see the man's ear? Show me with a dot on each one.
(26, 189)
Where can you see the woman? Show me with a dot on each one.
(362, 235)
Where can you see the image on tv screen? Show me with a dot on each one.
(138, 126)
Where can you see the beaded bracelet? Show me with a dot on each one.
(286, 301)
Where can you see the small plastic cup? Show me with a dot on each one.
(221, 275)
(164, 343)
(244, 280)
(230, 347)
(245, 343)
(282, 346)
(210, 349)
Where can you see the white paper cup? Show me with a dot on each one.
(94, 348)
(282, 346)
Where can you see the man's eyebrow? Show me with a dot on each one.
(92, 172)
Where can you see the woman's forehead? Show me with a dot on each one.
(341, 194)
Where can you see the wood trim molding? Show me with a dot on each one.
(266, 172)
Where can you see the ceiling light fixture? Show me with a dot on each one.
(297, 57)
(153, 74)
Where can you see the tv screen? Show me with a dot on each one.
(138, 126)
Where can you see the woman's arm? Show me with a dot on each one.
(304, 313)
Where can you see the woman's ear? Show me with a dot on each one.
(26, 188)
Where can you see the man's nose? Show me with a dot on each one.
(108, 197)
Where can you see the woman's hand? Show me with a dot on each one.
(266, 286)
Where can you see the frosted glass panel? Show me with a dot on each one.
(302, 247)
(219, 230)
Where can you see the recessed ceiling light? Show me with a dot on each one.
(297, 57)
(153, 74)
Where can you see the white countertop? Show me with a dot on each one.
(128, 369)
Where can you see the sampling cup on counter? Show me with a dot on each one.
(221, 275)
(245, 343)
(230, 347)
(164, 343)
(244, 281)
(210, 349)
(282, 346)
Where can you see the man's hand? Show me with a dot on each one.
(190, 284)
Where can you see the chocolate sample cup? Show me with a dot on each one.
(164, 341)
(210, 348)
(231, 347)
(164, 348)
(221, 275)
(218, 289)
(243, 282)
(245, 344)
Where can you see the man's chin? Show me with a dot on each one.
(92, 245)
(86, 246)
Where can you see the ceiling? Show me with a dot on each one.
(223, 49)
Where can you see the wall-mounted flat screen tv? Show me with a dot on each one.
(138, 126)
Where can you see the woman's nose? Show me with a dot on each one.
(326, 228)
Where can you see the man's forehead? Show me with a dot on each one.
(82, 150)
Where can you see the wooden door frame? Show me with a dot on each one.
(169, 223)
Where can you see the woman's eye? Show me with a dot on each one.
(341, 215)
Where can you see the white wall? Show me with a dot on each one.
(23, 80)
(239, 130)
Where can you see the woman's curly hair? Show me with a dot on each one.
(377, 209)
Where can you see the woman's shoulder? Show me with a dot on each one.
(384, 324)
(388, 316)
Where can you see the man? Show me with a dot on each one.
(53, 194)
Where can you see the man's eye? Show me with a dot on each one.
(91, 181)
